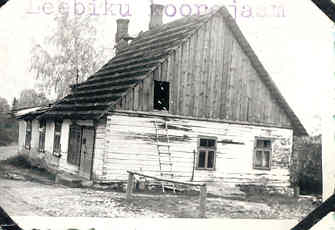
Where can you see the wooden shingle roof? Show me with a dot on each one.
(101, 91)
(95, 96)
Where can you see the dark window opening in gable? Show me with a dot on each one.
(161, 95)
(206, 154)
(27, 143)
(42, 130)
(75, 135)
(262, 155)
(57, 136)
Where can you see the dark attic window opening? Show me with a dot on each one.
(161, 95)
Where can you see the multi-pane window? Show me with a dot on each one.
(57, 145)
(206, 153)
(73, 156)
(262, 158)
(28, 135)
(161, 95)
(42, 130)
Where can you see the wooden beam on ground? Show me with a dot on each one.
(166, 180)
(6, 223)
(317, 214)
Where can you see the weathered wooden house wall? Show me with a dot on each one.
(211, 77)
(130, 145)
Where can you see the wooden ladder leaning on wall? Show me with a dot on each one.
(164, 153)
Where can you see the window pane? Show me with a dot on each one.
(58, 126)
(266, 159)
(258, 160)
(211, 143)
(210, 162)
(203, 142)
(259, 144)
(57, 144)
(161, 95)
(267, 144)
(73, 156)
(202, 157)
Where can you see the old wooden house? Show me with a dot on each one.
(187, 100)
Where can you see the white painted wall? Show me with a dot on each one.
(130, 145)
(49, 136)
(35, 135)
(22, 134)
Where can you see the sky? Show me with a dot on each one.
(293, 40)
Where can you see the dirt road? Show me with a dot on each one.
(20, 198)
(32, 194)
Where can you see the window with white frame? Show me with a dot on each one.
(262, 154)
(28, 135)
(206, 153)
(57, 145)
(42, 130)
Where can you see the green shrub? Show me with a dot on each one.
(306, 171)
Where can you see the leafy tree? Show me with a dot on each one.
(306, 170)
(70, 56)
(15, 103)
(8, 126)
(30, 98)
(4, 106)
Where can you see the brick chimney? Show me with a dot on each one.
(156, 18)
(121, 36)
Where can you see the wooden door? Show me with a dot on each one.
(86, 152)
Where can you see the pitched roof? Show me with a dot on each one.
(96, 96)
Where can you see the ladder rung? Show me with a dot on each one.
(166, 163)
(160, 144)
(164, 153)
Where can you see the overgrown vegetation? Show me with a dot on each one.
(307, 168)
(8, 130)
(22, 165)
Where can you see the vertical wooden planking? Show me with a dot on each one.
(146, 92)
(157, 73)
(188, 81)
(164, 70)
(175, 80)
(140, 96)
(170, 78)
(212, 68)
(204, 71)
(182, 73)
(198, 52)
(193, 74)
(150, 83)
(136, 97)
(219, 62)
(225, 60)
(230, 89)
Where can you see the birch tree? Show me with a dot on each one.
(69, 55)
